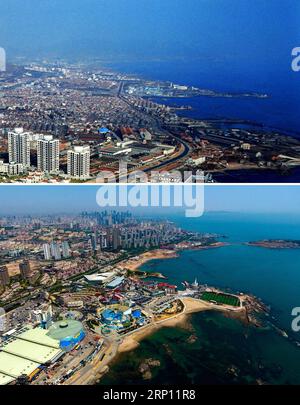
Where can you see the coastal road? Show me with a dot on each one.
(89, 373)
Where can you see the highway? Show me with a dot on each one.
(186, 149)
(185, 152)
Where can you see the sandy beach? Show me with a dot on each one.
(136, 263)
(191, 306)
(132, 341)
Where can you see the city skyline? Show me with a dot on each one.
(71, 199)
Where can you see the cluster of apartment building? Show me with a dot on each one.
(56, 251)
(25, 271)
(48, 152)
(134, 237)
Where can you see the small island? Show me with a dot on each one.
(276, 244)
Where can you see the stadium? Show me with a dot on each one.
(221, 299)
(69, 333)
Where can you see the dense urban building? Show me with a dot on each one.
(87, 290)
(112, 114)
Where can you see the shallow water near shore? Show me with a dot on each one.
(217, 350)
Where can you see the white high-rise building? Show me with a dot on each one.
(11, 169)
(55, 251)
(19, 147)
(66, 252)
(79, 162)
(47, 252)
(48, 155)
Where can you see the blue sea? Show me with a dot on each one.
(273, 275)
(281, 110)
(219, 344)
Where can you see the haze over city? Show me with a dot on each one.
(231, 30)
(73, 199)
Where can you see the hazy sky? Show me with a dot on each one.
(73, 199)
(246, 29)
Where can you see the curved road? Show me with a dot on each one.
(186, 148)
(184, 153)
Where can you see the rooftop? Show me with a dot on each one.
(116, 282)
(65, 329)
(25, 353)
(12, 367)
(98, 277)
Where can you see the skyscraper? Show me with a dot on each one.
(48, 155)
(19, 147)
(116, 238)
(4, 276)
(94, 241)
(47, 253)
(25, 269)
(79, 162)
(55, 251)
(66, 253)
(103, 240)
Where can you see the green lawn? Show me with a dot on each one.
(224, 299)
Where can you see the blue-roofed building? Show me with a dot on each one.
(103, 131)
(113, 317)
(108, 316)
(69, 333)
(136, 313)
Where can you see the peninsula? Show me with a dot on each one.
(276, 244)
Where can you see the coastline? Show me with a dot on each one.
(101, 366)
(158, 254)
(191, 306)
(135, 264)
(128, 343)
